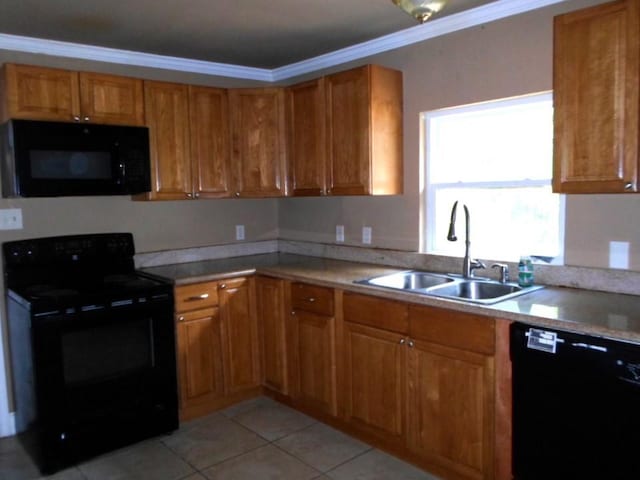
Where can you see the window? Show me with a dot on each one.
(496, 158)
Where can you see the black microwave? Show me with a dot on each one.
(55, 159)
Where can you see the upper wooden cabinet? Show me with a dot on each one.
(596, 109)
(189, 136)
(307, 140)
(258, 142)
(364, 131)
(39, 93)
(167, 116)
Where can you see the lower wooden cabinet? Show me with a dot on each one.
(218, 354)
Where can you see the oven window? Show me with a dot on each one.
(107, 351)
(63, 165)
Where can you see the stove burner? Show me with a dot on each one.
(49, 291)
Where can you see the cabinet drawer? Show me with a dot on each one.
(312, 299)
(376, 312)
(453, 329)
(196, 296)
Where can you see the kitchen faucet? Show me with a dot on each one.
(468, 265)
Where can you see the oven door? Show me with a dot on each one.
(104, 378)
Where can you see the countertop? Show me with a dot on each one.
(602, 314)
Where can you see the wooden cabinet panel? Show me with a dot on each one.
(210, 142)
(376, 312)
(38, 93)
(364, 131)
(240, 329)
(312, 298)
(199, 342)
(596, 68)
(307, 140)
(258, 141)
(272, 315)
(167, 116)
(314, 358)
(450, 409)
(111, 99)
(374, 380)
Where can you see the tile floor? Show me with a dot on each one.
(254, 440)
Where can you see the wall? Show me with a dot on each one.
(500, 59)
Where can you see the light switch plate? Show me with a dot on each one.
(239, 232)
(11, 219)
(366, 235)
(339, 233)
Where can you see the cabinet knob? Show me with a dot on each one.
(223, 286)
(197, 195)
(76, 118)
(86, 119)
(293, 312)
(402, 341)
(181, 318)
(237, 194)
(628, 186)
(189, 195)
(311, 299)
(410, 344)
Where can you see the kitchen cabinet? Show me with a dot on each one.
(364, 131)
(258, 142)
(306, 121)
(217, 345)
(167, 116)
(596, 103)
(374, 358)
(450, 396)
(40, 93)
(313, 347)
(273, 310)
(189, 140)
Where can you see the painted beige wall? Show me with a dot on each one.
(501, 59)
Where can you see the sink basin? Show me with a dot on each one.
(408, 280)
(475, 290)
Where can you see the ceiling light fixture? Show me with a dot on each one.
(421, 10)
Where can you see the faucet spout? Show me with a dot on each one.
(468, 265)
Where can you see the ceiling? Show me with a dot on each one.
(253, 33)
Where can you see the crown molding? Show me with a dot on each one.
(433, 28)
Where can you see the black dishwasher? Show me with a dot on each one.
(576, 406)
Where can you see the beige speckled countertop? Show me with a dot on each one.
(597, 313)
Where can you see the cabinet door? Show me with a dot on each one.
(348, 132)
(258, 139)
(374, 373)
(240, 329)
(210, 152)
(272, 315)
(167, 116)
(111, 99)
(199, 359)
(38, 93)
(450, 409)
(314, 357)
(596, 67)
(307, 141)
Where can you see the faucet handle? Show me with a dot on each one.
(504, 271)
(476, 264)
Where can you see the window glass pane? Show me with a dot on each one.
(480, 144)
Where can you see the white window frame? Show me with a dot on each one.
(428, 191)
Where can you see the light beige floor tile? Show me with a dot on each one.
(322, 447)
(213, 441)
(376, 465)
(273, 421)
(266, 463)
(143, 461)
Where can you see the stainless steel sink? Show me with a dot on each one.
(408, 280)
(474, 290)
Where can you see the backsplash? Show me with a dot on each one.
(606, 280)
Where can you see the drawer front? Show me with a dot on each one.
(376, 312)
(196, 296)
(311, 298)
(452, 328)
